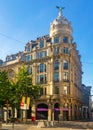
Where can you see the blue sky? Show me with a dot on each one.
(26, 20)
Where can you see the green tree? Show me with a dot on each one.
(23, 86)
(4, 87)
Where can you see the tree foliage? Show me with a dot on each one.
(13, 90)
(4, 87)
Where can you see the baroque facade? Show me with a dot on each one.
(54, 62)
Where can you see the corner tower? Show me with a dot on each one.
(61, 26)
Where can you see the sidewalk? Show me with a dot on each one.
(64, 125)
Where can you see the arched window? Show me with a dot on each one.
(56, 65)
(65, 65)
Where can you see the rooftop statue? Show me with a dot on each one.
(60, 8)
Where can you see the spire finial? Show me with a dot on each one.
(60, 9)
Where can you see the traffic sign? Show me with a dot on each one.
(21, 104)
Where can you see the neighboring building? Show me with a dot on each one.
(86, 106)
(55, 63)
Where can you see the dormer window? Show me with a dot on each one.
(56, 39)
(65, 39)
(42, 44)
(28, 48)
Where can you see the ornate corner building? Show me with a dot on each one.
(54, 62)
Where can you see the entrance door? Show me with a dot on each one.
(42, 112)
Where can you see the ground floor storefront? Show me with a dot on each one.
(50, 110)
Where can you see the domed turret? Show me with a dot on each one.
(60, 25)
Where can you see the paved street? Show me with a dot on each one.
(64, 125)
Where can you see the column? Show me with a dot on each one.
(61, 112)
(73, 114)
(49, 113)
(69, 112)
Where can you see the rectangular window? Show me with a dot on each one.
(65, 65)
(66, 76)
(56, 90)
(65, 50)
(66, 90)
(42, 44)
(65, 39)
(28, 57)
(56, 76)
(28, 48)
(42, 79)
(56, 51)
(42, 54)
(56, 39)
(43, 91)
